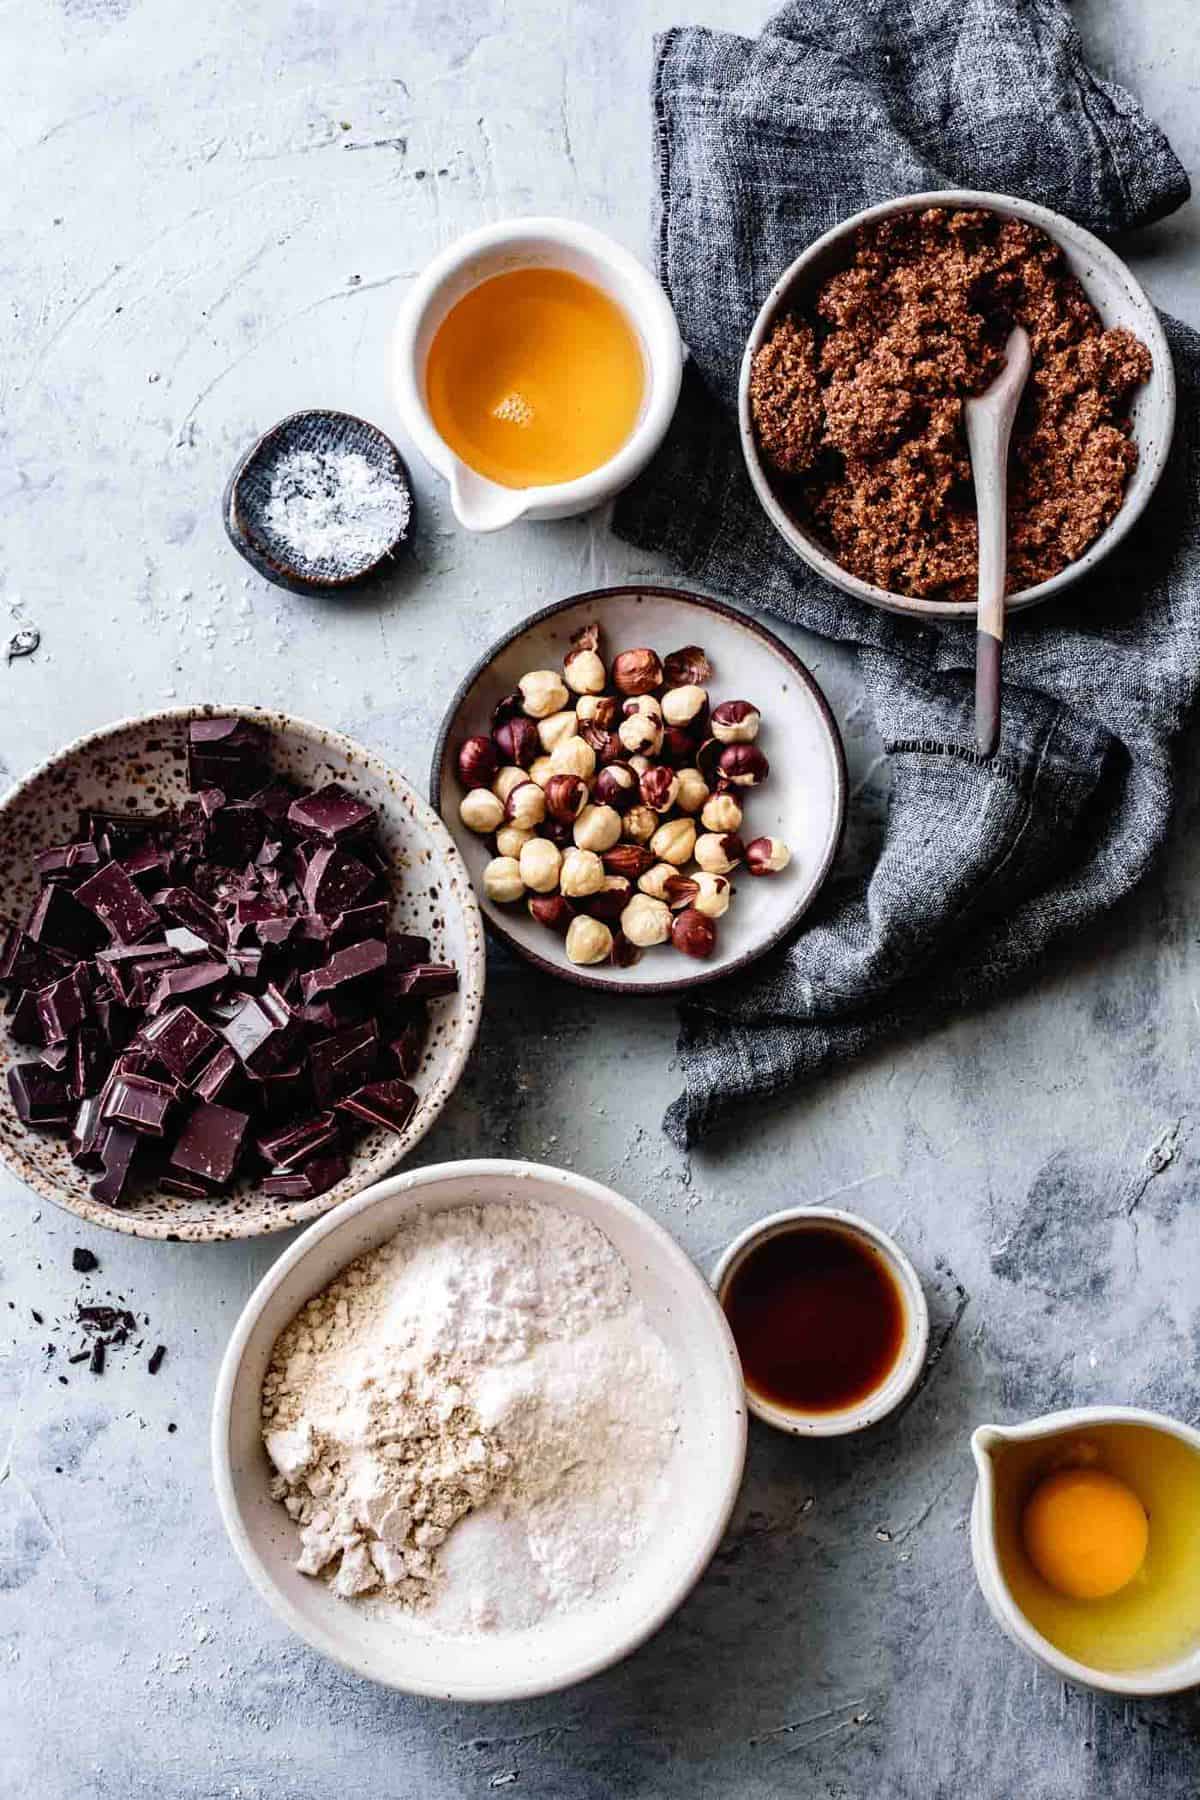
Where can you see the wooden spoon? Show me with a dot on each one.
(989, 421)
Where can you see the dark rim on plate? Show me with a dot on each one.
(685, 597)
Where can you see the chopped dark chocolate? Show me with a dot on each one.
(226, 753)
(184, 907)
(332, 812)
(179, 1039)
(387, 1103)
(344, 1061)
(84, 1261)
(360, 922)
(184, 1190)
(156, 1358)
(426, 980)
(193, 978)
(335, 881)
(316, 1177)
(39, 1095)
(139, 1103)
(116, 1149)
(218, 1076)
(406, 1049)
(210, 1142)
(356, 963)
(119, 904)
(67, 863)
(86, 1134)
(60, 921)
(289, 1148)
(96, 1364)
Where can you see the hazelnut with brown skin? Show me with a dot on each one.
(722, 812)
(636, 672)
(542, 693)
(598, 828)
(610, 901)
(502, 880)
(517, 741)
(509, 778)
(654, 881)
(559, 831)
(678, 746)
(630, 860)
(539, 863)
(659, 787)
(646, 921)
(709, 894)
(588, 940)
(640, 734)
(477, 762)
(481, 811)
(582, 873)
(693, 933)
(559, 725)
(623, 954)
(606, 745)
(735, 722)
(642, 703)
(675, 841)
(682, 705)
(616, 786)
(640, 824)
(767, 856)
(526, 806)
(692, 791)
(744, 765)
(552, 911)
(598, 709)
(688, 667)
(566, 797)
(718, 852)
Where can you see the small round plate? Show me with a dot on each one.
(803, 802)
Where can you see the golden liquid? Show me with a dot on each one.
(535, 377)
(1156, 1617)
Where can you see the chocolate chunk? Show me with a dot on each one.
(116, 1150)
(67, 863)
(218, 1077)
(406, 950)
(56, 1057)
(334, 880)
(140, 1103)
(210, 1142)
(60, 921)
(316, 1177)
(184, 1190)
(118, 834)
(64, 1005)
(84, 1261)
(156, 1358)
(332, 812)
(290, 1148)
(193, 978)
(87, 1133)
(24, 1020)
(27, 964)
(97, 1363)
(88, 1061)
(261, 1030)
(179, 1039)
(184, 907)
(186, 943)
(387, 1103)
(121, 908)
(406, 1048)
(149, 866)
(235, 834)
(274, 800)
(344, 1061)
(39, 1095)
(226, 753)
(359, 922)
(426, 980)
(356, 963)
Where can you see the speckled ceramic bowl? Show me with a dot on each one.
(140, 764)
(1117, 297)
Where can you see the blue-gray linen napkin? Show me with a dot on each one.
(761, 146)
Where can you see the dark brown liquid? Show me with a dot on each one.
(817, 1318)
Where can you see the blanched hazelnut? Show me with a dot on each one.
(646, 921)
(722, 813)
(691, 792)
(502, 880)
(526, 805)
(642, 703)
(552, 911)
(735, 722)
(582, 873)
(640, 824)
(517, 741)
(610, 901)
(681, 705)
(640, 734)
(511, 840)
(639, 764)
(659, 786)
(636, 672)
(630, 860)
(480, 810)
(709, 894)
(693, 933)
(566, 797)
(510, 777)
(616, 785)
(744, 765)
(598, 709)
(477, 762)
(539, 863)
(598, 828)
(584, 671)
(674, 841)
(718, 852)
(559, 725)
(766, 856)
(541, 771)
(588, 940)
(574, 757)
(542, 693)
(654, 881)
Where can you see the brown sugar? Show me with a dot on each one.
(858, 406)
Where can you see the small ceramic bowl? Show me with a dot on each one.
(704, 1474)
(140, 765)
(1117, 297)
(915, 1346)
(803, 802)
(483, 505)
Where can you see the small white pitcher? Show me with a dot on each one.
(483, 505)
(1164, 1678)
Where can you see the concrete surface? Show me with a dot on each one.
(210, 213)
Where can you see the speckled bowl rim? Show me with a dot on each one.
(700, 977)
(472, 976)
(1056, 226)
(909, 1364)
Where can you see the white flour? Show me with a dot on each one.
(476, 1419)
(334, 510)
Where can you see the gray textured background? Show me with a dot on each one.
(210, 213)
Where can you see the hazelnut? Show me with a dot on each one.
(559, 831)
(718, 852)
(517, 741)
(693, 933)
(559, 725)
(654, 881)
(477, 762)
(623, 954)
(566, 797)
(526, 805)
(630, 860)
(735, 722)
(582, 873)
(636, 672)
(610, 901)
(642, 703)
(766, 856)
(573, 757)
(542, 693)
(721, 813)
(606, 744)
(688, 667)
(584, 671)
(541, 771)
(502, 880)
(512, 839)
(588, 940)
(659, 786)
(616, 785)
(552, 911)
(743, 764)
(640, 824)
(598, 828)
(539, 863)
(681, 705)
(646, 921)
(691, 792)
(480, 810)
(508, 708)
(640, 733)
(639, 764)
(674, 841)
(509, 777)
(598, 709)
(678, 746)
(709, 894)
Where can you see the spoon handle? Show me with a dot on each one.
(989, 421)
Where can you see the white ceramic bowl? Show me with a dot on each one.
(498, 249)
(803, 802)
(140, 764)
(914, 1348)
(705, 1473)
(1117, 297)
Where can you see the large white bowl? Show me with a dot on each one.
(1112, 290)
(140, 765)
(705, 1473)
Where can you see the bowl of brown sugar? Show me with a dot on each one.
(855, 376)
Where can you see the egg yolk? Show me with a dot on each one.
(1085, 1533)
